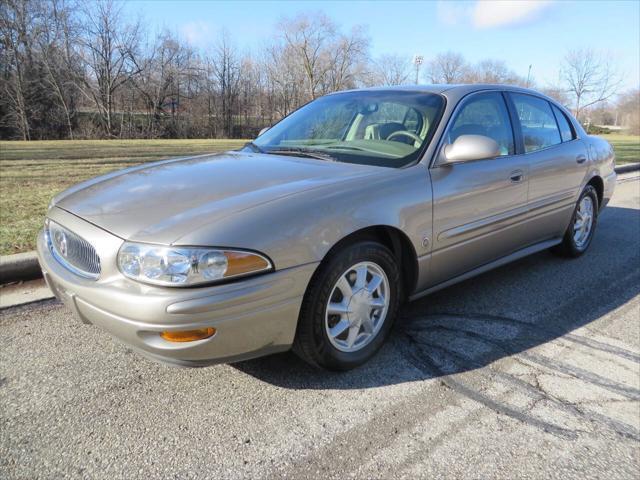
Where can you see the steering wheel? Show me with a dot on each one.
(406, 133)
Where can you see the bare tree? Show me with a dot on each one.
(589, 77)
(167, 77)
(347, 60)
(313, 51)
(15, 28)
(557, 93)
(107, 48)
(59, 60)
(493, 71)
(390, 69)
(227, 69)
(156, 81)
(449, 67)
(307, 37)
(285, 81)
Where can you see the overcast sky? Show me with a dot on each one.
(536, 32)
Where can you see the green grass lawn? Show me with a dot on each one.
(31, 173)
(627, 147)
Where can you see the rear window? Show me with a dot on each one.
(566, 132)
(539, 127)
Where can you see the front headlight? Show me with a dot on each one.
(180, 266)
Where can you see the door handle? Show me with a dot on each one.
(581, 158)
(517, 176)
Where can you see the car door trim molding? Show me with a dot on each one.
(557, 201)
(482, 223)
(566, 196)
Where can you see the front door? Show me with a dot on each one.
(479, 207)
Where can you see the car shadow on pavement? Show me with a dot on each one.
(496, 315)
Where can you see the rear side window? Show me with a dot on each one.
(566, 132)
(485, 114)
(539, 127)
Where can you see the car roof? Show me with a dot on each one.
(451, 91)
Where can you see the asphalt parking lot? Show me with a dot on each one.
(529, 371)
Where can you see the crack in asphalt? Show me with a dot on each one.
(465, 362)
(467, 391)
(604, 347)
(575, 372)
(430, 367)
(584, 375)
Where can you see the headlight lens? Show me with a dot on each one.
(186, 265)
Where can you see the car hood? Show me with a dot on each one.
(161, 202)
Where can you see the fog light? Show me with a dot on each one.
(188, 335)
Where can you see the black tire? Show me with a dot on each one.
(568, 247)
(312, 342)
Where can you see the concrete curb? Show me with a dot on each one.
(628, 167)
(19, 267)
(24, 293)
(24, 266)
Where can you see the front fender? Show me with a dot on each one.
(302, 228)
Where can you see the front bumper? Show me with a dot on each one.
(252, 317)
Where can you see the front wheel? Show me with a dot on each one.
(349, 307)
(580, 232)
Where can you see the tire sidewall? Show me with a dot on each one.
(324, 352)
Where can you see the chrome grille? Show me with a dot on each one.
(72, 251)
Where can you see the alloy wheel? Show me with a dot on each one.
(583, 222)
(357, 307)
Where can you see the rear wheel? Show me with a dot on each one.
(349, 307)
(580, 232)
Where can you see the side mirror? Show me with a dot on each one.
(470, 147)
(263, 130)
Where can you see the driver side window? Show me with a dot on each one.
(485, 114)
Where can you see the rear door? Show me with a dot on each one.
(557, 163)
(478, 206)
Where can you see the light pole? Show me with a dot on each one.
(529, 76)
(417, 61)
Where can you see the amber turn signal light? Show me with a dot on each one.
(188, 335)
(242, 263)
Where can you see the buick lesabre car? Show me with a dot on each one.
(311, 236)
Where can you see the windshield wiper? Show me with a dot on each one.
(360, 149)
(302, 152)
(346, 147)
(254, 147)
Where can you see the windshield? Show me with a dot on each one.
(384, 128)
